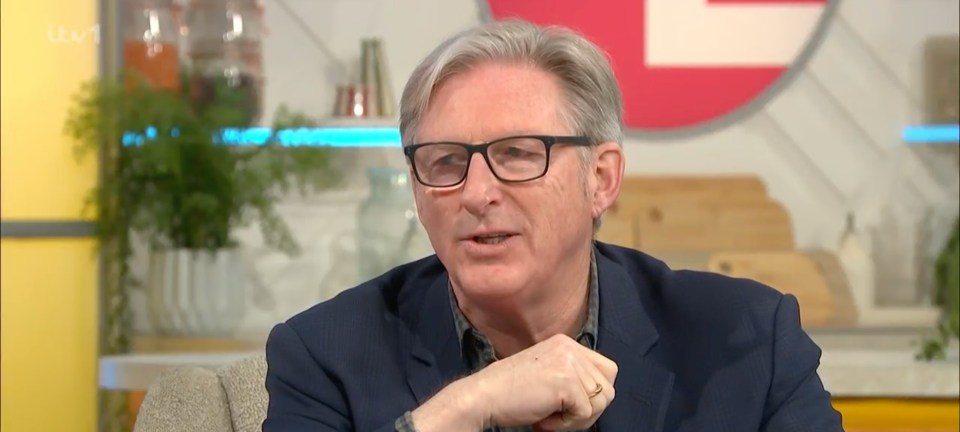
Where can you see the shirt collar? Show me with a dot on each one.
(587, 335)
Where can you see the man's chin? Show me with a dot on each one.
(482, 282)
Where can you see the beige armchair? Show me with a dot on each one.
(230, 399)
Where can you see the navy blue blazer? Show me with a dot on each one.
(696, 352)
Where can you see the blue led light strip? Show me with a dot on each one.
(933, 134)
(300, 137)
(390, 136)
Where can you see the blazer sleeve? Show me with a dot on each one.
(797, 400)
(302, 395)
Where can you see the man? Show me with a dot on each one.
(521, 321)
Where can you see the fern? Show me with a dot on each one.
(183, 188)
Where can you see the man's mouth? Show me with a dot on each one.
(491, 238)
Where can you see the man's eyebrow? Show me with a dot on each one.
(524, 132)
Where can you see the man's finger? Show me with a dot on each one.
(601, 401)
(590, 378)
(606, 366)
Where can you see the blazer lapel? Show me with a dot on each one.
(433, 348)
(627, 335)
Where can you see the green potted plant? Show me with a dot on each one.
(169, 179)
(947, 271)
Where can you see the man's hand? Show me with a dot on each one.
(548, 385)
(556, 384)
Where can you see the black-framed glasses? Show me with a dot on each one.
(512, 159)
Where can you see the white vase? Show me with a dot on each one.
(196, 293)
(389, 230)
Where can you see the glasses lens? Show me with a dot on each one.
(441, 164)
(518, 159)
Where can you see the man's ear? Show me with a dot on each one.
(608, 174)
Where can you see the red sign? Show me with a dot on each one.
(684, 63)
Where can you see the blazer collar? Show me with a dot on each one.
(627, 336)
(432, 349)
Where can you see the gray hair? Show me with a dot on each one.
(594, 108)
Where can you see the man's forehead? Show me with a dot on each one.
(492, 101)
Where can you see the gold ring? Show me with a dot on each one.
(595, 391)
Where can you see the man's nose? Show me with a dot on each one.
(481, 187)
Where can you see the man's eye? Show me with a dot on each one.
(450, 159)
(516, 152)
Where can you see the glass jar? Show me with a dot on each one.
(151, 42)
(389, 230)
(224, 40)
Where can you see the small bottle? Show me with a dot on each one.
(224, 40)
(151, 43)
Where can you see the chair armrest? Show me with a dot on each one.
(186, 399)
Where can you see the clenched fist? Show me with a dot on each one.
(556, 384)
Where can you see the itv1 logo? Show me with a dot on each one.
(60, 34)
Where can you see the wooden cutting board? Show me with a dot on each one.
(683, 260)
(697, 187)
(681, 214)
(789, 272)
(713, 226)
(845, 310)
(637, 192)
(617, 230)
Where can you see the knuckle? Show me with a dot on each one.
(553, 344)
(570, 364)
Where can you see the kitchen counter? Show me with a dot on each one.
(855, 363)
(882, 364)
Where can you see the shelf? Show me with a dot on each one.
(362, 122)
(333, 132)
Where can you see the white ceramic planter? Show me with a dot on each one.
(196, 293)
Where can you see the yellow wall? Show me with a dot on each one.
(48, 294)
(40, 177)
(49, 336)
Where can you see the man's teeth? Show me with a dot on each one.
(491, 239)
